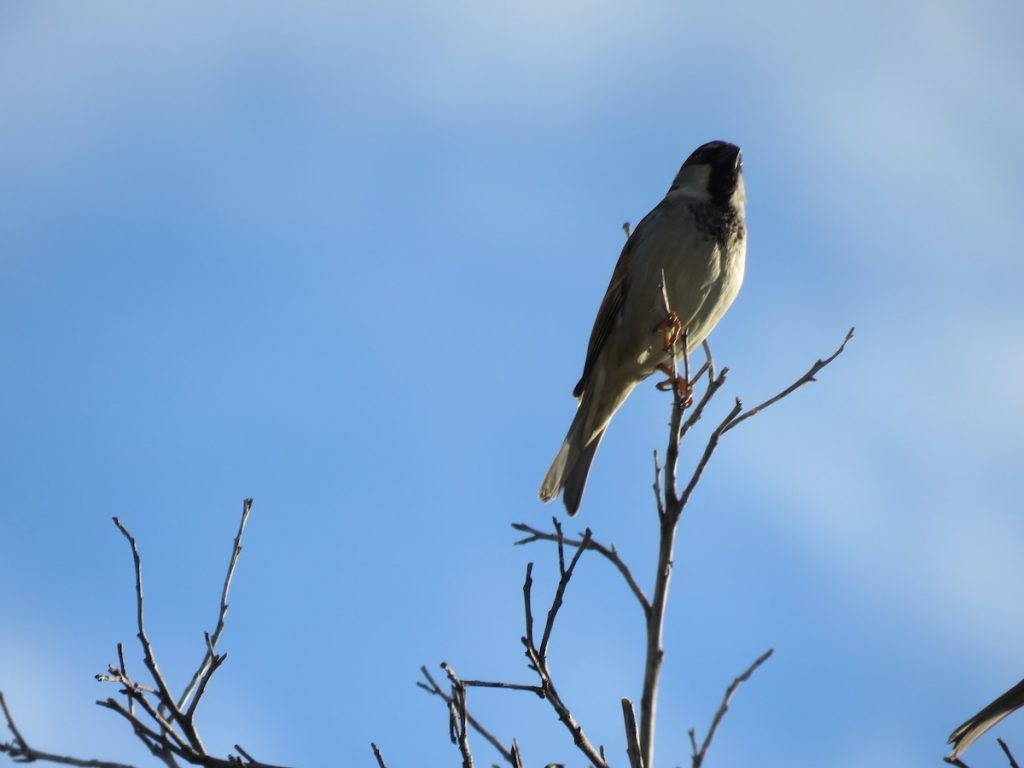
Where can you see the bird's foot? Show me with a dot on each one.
(671, 331)
(682, 386)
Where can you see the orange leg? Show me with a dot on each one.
(680, 383)
(671, 330)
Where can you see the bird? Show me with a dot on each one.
(970, 731)
(695, 240)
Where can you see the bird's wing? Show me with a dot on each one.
(611, 304)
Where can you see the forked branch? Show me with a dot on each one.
(164, 724)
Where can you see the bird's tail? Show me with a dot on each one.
(571, 466)
(970, 731)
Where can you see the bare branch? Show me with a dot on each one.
(671, 504)
(535, 689)
(168, 738)
(668, 516)
(709, 449)
(564, 714)
(608, 552)
(215, 660)
(656, 487)
(563, 582)
(20, 752)
(538, 656)
(679, 405)
(124, 674)
(698, 755)
(1009, 755)
(710, 359)
(209, 664)
(377, 754)
(714, 384)
(528, 604)
(805, 379)
(517, 756)
(250, 760)
(457, 708)
(437, 690)
(147, 646)
(632, 737)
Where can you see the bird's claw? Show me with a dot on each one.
(681, 385)
(671, 331)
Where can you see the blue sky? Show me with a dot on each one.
(344, 259)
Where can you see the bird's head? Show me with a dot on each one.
(713, 171)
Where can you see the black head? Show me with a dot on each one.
(713, 169)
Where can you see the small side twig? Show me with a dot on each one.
(535, 689)
(805, 379)
(19, 750)
(164, 692)
(211, 660)
(699, 754)
(432, 687)
(563, 582)
(457, 716)
(378, 755)
(1008, 753)
(538, 656)
(607, 552)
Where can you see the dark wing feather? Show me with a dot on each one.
(608, 313)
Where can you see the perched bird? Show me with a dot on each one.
(969, 732)
(695, 239)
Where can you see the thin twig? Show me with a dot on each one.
(377, 754)
(209, 663)
(20, 752)
(806, 378)
(698, 755)
(710, 362)
(563, 582)
(1009, 755)
(168, 736)
(250, 760)
(527, 603)
(457, 707)
(147, 646)
(709, 449)
(608, 552)
(124, 673)
(435, 689)
(535, 689)
(656, 487)
(517, 755)
(562, 711)
(714, 384)
(672, 455)
(538, 661)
